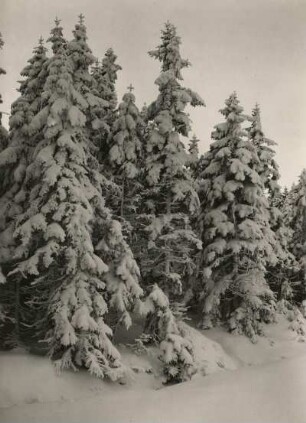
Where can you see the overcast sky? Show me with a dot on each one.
(257, 48)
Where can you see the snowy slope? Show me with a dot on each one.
(17, 368)
(265, 382)
(279, 342)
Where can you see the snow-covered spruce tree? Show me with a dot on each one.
(3, 143)
(68, 243)
(169, 198)
(176, 351)
(281, 276)
(235, 230)
(297, 221)
(144, 112)
(287, 205)
(194, 148)
(96, 119)
(13, 163)
(193, 161)
(29, 103)
(109, 70)
(86, 83)
(193, 164)
(267, 168)
(105, 77)
(2, 71)
(125, 166)
(81, 56)
(3, 131)
(56, 37)
(100, 129)
(125, 155)
(293, 291)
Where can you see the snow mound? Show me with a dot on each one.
(210, 357)
(279, 341)
(28, 379)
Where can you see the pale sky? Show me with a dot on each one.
(256, 47)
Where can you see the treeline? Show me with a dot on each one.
(106, 215)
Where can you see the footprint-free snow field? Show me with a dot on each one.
(239, 382)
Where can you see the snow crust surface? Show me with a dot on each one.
(238, 382)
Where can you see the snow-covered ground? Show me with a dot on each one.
(238, 382)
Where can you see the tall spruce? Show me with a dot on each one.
(278, 275)
(56, 37)
(234, 224)
(287, 206)
(82, 59)
(13, 163)
(105, 77)
(126, 154)
(193, 161)
(267, 166)
(97, 125)
(169, 198)
(3, 144)
(109, 70)
(68, 245)
(3, 131)
(194, 148)
(297, 221)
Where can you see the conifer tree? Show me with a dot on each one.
(3, 143)
(193, 161)
(2, 71)
(99, 127)
(67, 240)
(81, 57)
(144, 112)
(88, 85)
(267, 168)
(297, 221)
(68, 245)
(125, 154)
(235, 230)
(109, 70)
(287, 206)
(105, 77)
(176, 351)
(3, 131)
(13, 162)
(194, 148)
(57, 38)
(23, 110)
(193, 164)
(169, 198)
